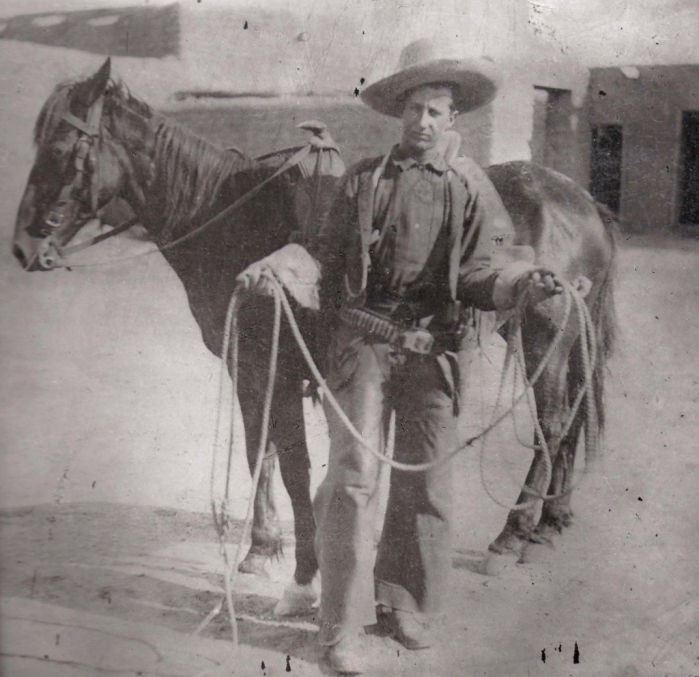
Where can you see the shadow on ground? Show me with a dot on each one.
(152, 566)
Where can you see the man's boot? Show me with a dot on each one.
(405, 627)
(346, 656)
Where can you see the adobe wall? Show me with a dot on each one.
(649, 109)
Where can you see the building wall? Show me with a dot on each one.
(333, 51)
(289, 51)
(560, 134)
(647, 102)
(555, 136)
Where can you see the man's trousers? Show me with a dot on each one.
(410, 569)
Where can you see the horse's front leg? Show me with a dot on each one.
(288, 436)
(519, 529)
(266, 533)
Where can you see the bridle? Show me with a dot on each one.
(84, 157)
(69, 206)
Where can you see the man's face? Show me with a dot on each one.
(426, 116)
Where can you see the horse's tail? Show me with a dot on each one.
(603, 312)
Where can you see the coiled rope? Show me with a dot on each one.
(220, 505)
(515, 347)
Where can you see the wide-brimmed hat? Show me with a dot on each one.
(473, 81)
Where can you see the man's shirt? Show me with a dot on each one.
(432, 232)
(410, 258)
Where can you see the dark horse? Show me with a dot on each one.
(175, 181)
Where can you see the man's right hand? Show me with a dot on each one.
(293, 267)
(256, 279)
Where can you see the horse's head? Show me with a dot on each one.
(83, 160)
(96, 142)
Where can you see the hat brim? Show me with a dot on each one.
(474, 84)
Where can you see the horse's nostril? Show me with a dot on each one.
(19, 255)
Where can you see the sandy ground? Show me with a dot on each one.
(109, 559)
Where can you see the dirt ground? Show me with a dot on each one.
(109, 560)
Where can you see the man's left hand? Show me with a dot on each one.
(541, 284)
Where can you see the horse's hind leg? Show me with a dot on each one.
(266, 532)
(550, 393)
(289, 439)
(557, 513)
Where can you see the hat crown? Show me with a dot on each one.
(473, 81)
(425, 51)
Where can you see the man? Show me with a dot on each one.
(411, 238)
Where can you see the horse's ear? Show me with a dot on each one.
(88, 92)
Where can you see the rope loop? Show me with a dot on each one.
(514, 355)
(424, 467)
(589, 355)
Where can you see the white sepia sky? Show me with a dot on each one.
(593, 32)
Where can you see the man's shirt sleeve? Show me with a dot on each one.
(488, 233)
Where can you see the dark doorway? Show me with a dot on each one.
(605, 165)
(689, 180)
(551, 129)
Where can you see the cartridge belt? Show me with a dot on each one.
(413, 339)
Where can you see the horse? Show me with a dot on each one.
(174, 182)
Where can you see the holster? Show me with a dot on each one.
(416, 340)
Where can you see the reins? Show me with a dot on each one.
(79, 246)
(225, 213)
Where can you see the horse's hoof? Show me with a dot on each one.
(496, 564)
(554, 524)
(297, 600)
(541, 538)
(509, 543)
(254, 564)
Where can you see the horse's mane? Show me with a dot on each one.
(192, 169)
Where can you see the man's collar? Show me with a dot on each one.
(433, 159)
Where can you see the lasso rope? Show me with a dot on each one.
(571, 293)
(588, 358)
(220, 507)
